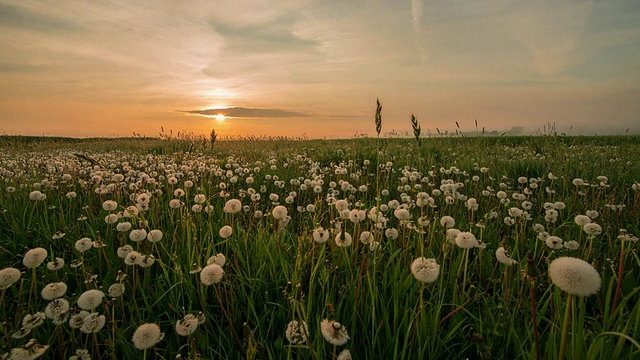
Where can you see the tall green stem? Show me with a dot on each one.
(565, 328)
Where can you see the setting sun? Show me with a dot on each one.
(220, 117)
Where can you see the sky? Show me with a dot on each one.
(316, 67)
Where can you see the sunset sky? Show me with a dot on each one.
(111, 68)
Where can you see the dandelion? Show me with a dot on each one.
(402, 214)
(296, 332)
(58, 235)
(111, 219)
(123, 226)
(447, 222)
(37, 196)
(133, 210)
(146, 336)
(211, 274)
(76, 321)
(279, 212)
(219, 259)
(81, 354)
(200, 199)
(503, 257)
(451, 235)
(154, 235)
(554, 242)
(31, 350)
(116, 290)
(178, 192)
(109, 205)
(334, 332)
(320, 235)
(582, 220)
(175, 203)
(93, 323)
(574, 276)
(22, 332)
(391, 233)
(34, 257)
(32, 321)
(90, 299)
(187, 325)
(132, 258)
(232, 206)
(571, 245)
(138, 235)
(425, 270)
(123, 251)
(366, 237)
(57, 309)
(225, 231)
(343, 239)
(84, 244)
(592, 229)
(344, 355)
(54, 290)
(146, 261)
(342, 205)
(8, 277)
(466, 240)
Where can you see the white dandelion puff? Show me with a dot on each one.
(146, 336)
(334, 332)
(574, 276)
(211, 274)
(425, 270)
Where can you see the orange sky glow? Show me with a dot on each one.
(316, 67)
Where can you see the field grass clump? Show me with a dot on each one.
(318, 249)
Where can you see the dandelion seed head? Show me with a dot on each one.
(54, 290)
(503, 257)
(90, 299)
(225, 231)
(34, 257)
(187, 325)
(334, 332)
(425, 270)
(211, 274)
(574, 276)
(8, 277)
(296, 332)
(466, 240)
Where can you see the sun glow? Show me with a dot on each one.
(220, 117)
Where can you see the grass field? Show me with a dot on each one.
(230, 249)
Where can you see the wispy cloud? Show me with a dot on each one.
(243, 112)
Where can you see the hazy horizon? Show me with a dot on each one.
(85, 69)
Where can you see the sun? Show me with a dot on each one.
(220, 117)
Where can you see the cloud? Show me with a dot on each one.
(242, 112)
(20, 17)
(273, 36)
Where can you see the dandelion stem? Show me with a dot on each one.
(226, 314)
(565, 328)
(620, 273)
(464, 276)
(453, 312)
(534, 319)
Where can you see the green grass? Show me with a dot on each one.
(275, 274)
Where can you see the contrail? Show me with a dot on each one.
(417, 13)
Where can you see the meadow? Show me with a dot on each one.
(373, 248)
